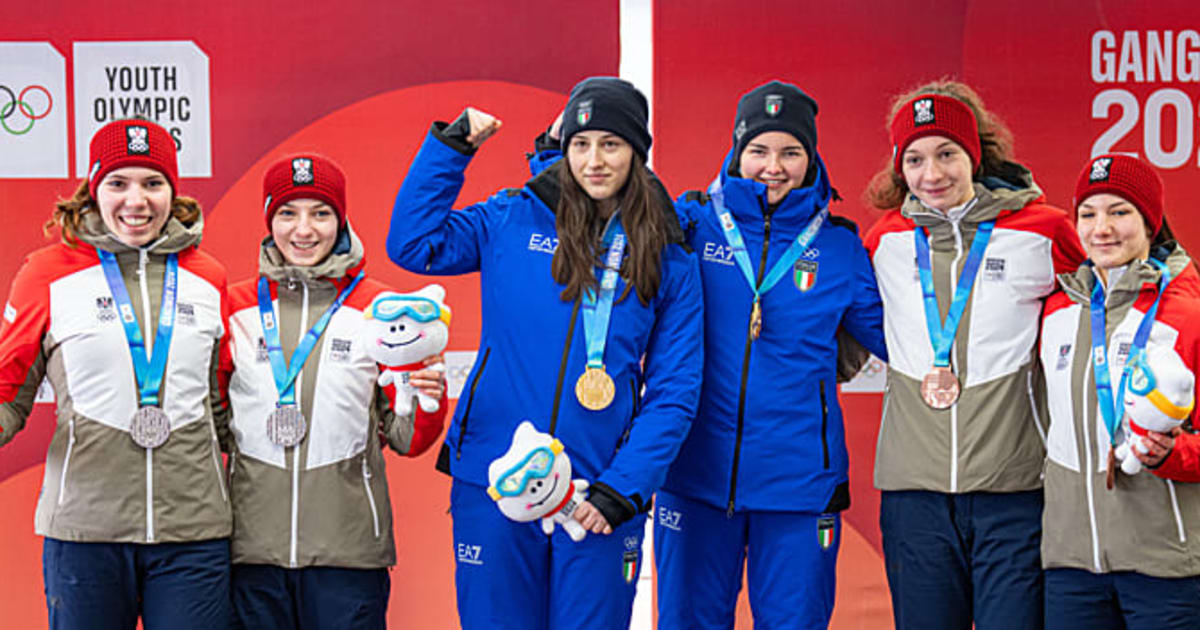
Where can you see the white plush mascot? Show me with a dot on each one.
(1160, 397)
(401, 330)
(532, 480)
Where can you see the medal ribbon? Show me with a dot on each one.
(942, 336)
(597, 309)
(147, 370)
(733, 236)
(1104, 393)
(285, 373)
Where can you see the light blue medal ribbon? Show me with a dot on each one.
(1111, 412)
(595, 388)
(733, 236)
(942, 334)
(147, 370)
(286, 372)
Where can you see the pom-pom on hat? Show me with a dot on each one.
(131, 142)
(1128, 178)
(608, 104)
(935, 115)
(304, 176)
(775, 106)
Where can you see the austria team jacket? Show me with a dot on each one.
(992, 439)
(1149, 522)
(768, 434)
(324, 502)
(532, 347)
(61, 322)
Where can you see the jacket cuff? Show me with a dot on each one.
(454, 135)
(1182, 462)
(544, 143)
(616, 508)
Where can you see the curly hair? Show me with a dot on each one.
(69, 213)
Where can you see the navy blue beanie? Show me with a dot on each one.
(608, 104)
(775, 106)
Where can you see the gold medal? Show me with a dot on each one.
(940, 388)
(755, 320)
(595, 389)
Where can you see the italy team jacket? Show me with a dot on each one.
(325, 501)
(532, 347)
(62, 323)
(1148, 522)
(768, 434)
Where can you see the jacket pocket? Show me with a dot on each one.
(824, 427)
(66, 464)
(462, 426)
(366, 477)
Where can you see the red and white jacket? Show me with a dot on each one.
(325, 501)
(1149, 522)
(61, 322)
(990, 440)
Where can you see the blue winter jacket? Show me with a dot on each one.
(768, 434)
(532, 348)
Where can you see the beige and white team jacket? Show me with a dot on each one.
(990, 440)
(325, 501)
(61, 322)
(1149, 522)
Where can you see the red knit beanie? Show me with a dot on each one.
(1128, 178)
(935, 115)
(132, 142)
(304, 176)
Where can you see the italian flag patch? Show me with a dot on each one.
(805, 274)
(825, 531)
(630, 565)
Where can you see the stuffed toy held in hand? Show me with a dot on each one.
(401, 330)
(532, 480)
(1159, 398)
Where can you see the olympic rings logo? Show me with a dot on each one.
(17, 103)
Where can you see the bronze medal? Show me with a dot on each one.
(149, 427)
(286, 425)
(595, 389)
(940, 388)
(755, 320)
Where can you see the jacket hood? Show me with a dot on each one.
(1078, 284)
(545, 187)
(176, 236)
(346, 259)
(993, 196)
(746, 199)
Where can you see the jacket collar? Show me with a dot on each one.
(993, 198)
(1078, 284)
(343, 263)
(174, 238)
(746, 199)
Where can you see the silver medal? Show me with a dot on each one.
(286, 425)
(150, 427)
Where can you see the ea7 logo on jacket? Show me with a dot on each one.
(718, 253)
(105, 311)
(671, 519)
(542, 243)
(470, 554)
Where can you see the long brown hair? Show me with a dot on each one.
(579, 227)
(887, 188)
(69, 213)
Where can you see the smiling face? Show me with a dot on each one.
(938, 171)
(600, 162)
(135, 203)
(1112, 231)
(776, 159)
(304, 231)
